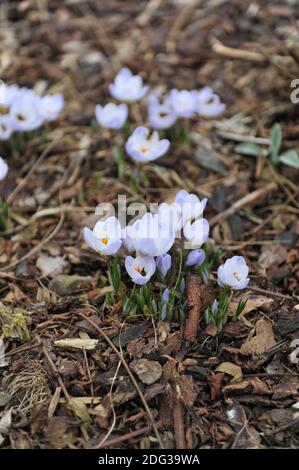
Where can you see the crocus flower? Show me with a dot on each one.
(6, 127)
(144, 148)
(197, 232)
(50, 106)
(126, 235)
(170, 216)
(163, 263)
(233, 273)
(7, 93)
(128, 87)
(3, 169)
(195, 257)
(208, 103)
(165, 299)
(140, 269)
(105, 238)
(150, 238)
(24, 110)
(183, 103)
(111, 116)
(191, 206)
(161, 115)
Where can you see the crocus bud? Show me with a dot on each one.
(195, 257)
(163, 263)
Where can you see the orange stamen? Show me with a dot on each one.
(104, 241)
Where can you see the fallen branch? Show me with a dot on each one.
(240, 54)
(244, 201)
(178, 424)
(194, 301)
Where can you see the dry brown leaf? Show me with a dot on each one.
(263, 339)
(231, 369)
(253, 303)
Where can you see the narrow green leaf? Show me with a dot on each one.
(290, 158)
(276, 139)
(253, 150)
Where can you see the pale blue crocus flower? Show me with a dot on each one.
(105, 238)
(161, 114)
(197, 232)
(233, 273)
(145, 148)
(50, 106)
(195, 257)
(111, 116)
(183, 103)
(165, 300)
(163, 263)
(25, 110)
(149, 237)
(191, 206)
(140, 269)
(6, 127)
(208, 104)
(128, 87)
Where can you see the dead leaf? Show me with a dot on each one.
(231, 369)
(50, 265)
(252, 385)
(189, 390)
(263, 339)
(253, 303)
(79, 408)
(148, 371)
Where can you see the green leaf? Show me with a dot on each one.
(276, 138)
(290, 158)
(253, 150)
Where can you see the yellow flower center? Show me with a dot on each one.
(104, 240)
(236, 276)
(140, 270)
(3, 109)
(144, 149)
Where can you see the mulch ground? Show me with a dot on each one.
(141, 385)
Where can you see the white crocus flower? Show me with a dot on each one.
(128, 87)
(161, 115)
(126, 235)
(50, 106)
(6, 127)
(3, 169)
(170, 216)
(24, 110)
(150, 237)
(183, 102)
(105, 238)
(140, 269)
(7, 93)
(112, 116)
(191, 207)
(233, 273)
(208, 103)
(196, 232)
(144, 148)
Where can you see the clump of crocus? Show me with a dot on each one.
(157, 251)
(23, 110)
